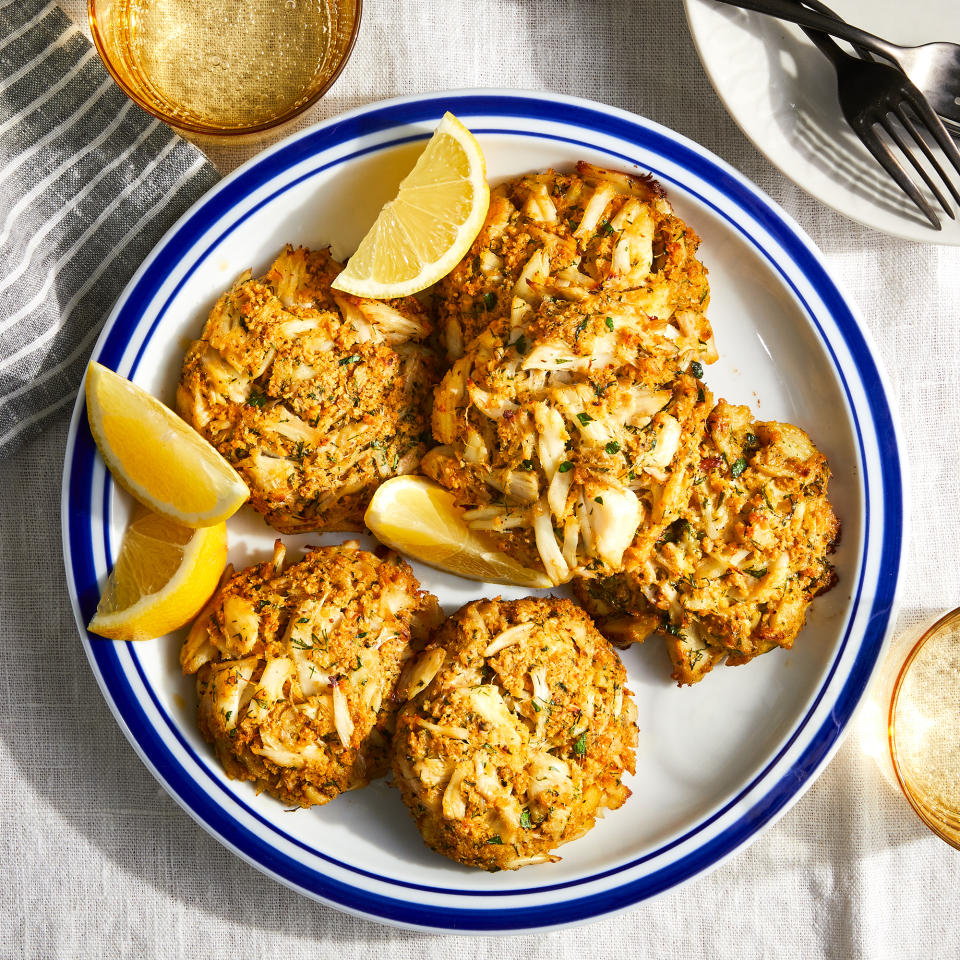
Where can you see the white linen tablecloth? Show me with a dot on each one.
(100, 862)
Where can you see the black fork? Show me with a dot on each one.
(871, 94)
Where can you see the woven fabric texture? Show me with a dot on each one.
(100, 862)
(88, 184)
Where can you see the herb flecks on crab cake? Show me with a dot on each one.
(313, 395)
(569, 432)
(732, 577)
(567, 236)
(297, 668)
(519, 732)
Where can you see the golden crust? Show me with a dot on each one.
(519, 732)
(297, 669)
(733, 576)
(569, 433)
(314, 396)
(568, 236)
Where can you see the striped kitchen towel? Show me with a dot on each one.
(89, 183)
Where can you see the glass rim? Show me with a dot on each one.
(207, 129)
(913, 798)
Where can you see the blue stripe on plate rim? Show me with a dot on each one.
(694, 161)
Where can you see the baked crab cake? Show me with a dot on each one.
(297, 668)
(519, 732)
(566, 236)
(571, 433)
(733, 576)
(313, 395)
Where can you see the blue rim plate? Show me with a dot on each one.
(755, 737)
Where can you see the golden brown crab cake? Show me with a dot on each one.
(297, 668)
(569, 436)
(313, 395)
(518, 734)
(733, 576)
(566, 236)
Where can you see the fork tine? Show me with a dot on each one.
(894, 135)
(933, 123)
(884, 156)
(922, 143)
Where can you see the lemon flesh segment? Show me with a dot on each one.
(418, 518)
(424, 232)
(160, 460)
(163, 576)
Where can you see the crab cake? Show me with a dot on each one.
(297, 668)
(519, 733)
(571, 433)
(567, 236)
(733, 576)
(313, 395)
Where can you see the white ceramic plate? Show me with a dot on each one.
(783, 93)
(717, 762)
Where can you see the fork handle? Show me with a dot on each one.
(827, 12)
(822, 41)
(788, 10)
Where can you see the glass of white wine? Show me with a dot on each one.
(924, 727)
(224, 67)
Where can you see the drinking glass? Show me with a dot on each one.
(224, 67)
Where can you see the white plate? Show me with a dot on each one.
(717, 762)
(783, 93)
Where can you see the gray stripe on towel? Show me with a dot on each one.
(88, 184)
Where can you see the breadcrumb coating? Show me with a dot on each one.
(732, 577)
(519, 732)
(568, 236)
(297, 669)
(313, 395)
(570, 435)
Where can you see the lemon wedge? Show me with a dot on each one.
(418, 518)
(156, 457)
(423, 233)
(164, 575)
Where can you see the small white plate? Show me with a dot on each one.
(783, 93)
(717, 762)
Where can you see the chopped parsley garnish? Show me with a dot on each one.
(525, 820)
(580, 746)
(527, 465)
(668, 627)
(739, 465)
(489, 300)
(257, 399)
(676, 530)
(696, 368)
(584, 418)
(521, 344)
(606, 228)
(353, 358)
(565, 466)
(612, 447)
(494, 839)
(757, 572)
(598, 500)
(609, 323)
